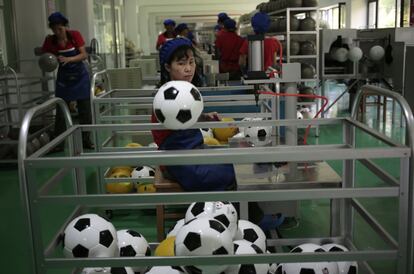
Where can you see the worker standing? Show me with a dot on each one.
(168, 34)
(261, 23)
(228, 45)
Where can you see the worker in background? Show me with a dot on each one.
(182, 30)
(168, 34)
(221, 17)
(261, 23)
(228, 46)
(72, 81)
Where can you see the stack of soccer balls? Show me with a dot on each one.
(318, 267)
(90, 235)
(213, 228)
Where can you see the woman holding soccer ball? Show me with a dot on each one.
(178, 63)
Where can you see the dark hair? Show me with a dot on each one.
(179, 53)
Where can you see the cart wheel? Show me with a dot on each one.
(109, 213)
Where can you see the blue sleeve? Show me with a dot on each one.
(197, 177)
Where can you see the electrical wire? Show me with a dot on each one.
(302, 96)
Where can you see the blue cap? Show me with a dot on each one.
(261, 22)
(229, 24)
(180, 27)
(57, 18)
(222, 16)
(170, 46)
(169, 22)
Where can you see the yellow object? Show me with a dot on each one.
(223, 134)
(122, 170)
(133, 145)
(146, 188)
(166, 247)
(120, 187)
(211, 141)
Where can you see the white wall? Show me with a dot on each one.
(80, 15)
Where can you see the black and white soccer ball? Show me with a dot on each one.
(142, 172)
(133, 244)
(207, 132)
(174, 230)
(90, 235)
(309, 268)
(250, 232)
(343, 267)
(259, 132)
(243, 247)
(224, 212)
(107, 270)
(178, 104)
(163, 270)
(203, 236)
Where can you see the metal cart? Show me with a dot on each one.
(36, 194)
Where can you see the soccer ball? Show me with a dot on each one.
(133, 244)
(313, 267)
(207, 132)
(221, 211)
(90, 235)
(245, 247)
(343, 267)
(254, 131)
(153, 145)
(299, 115)
(174, 230)
(204, 236)
(178, 104)
(163, 270)
(250, 232)
(142, 171)
(107, 270)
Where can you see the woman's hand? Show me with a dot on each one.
(64, 60)
(210, 116)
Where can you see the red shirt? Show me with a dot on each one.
(75, 41)
(229, 44)
(271, 46)
(162, 39)
(159, 135)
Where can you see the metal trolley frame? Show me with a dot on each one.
(400, 249)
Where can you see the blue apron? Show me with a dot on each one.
(73, 82)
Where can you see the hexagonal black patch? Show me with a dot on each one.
(152, 173)
(220, 251)
(250, 235)
(257, 249)
(319, 250)
(279, 270)
(133, 233)
(235, 246)
(223, 219)
(80, 251)
(247, 268)
(82, 224)
(261, 133)
(307, 271)
(191, 269)
(352, 270)
(159, 115)
(170, 93)
(216, 225)
(196, 94)
(177, 268)
(105, 238)
(197, 209)
(148, 252)
(138, 168)
(184, 115)
(127, 251)
(192, 241)
(335, 249)
(296, 250)
(118, 270)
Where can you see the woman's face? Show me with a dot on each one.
(59, 30)
(182, 69)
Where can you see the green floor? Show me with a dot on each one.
(313, 220)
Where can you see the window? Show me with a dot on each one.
(372, 14)
(386, 11)
(334, 17)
